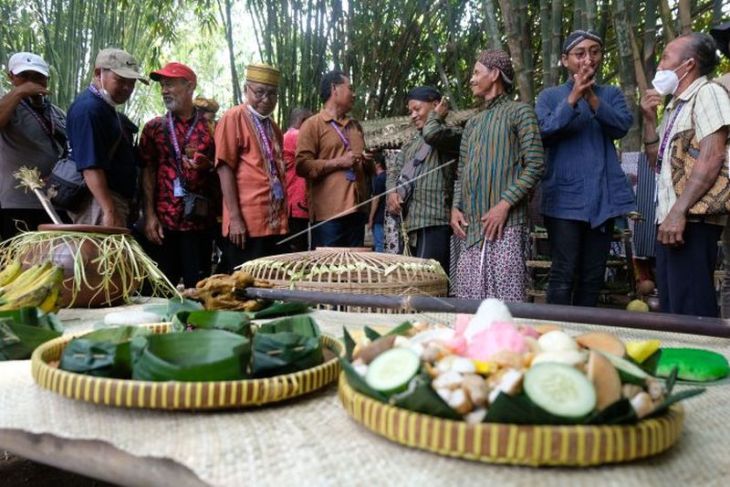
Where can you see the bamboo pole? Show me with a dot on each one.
(693, 325)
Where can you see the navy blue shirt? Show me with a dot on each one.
(379, 189)
(583, 178)
(93, 126)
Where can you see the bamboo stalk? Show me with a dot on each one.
(692, 325)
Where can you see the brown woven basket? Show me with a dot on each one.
(348, 270)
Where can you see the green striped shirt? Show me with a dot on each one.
(501, 158)
(430, 204)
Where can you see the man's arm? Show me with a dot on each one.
(308, 166)
(150, 160)
(237, 229)
(12, 99)
(613, 114)
(96, 181)
(649, 103)
(701, 179)
(560, 119)
(439, 135)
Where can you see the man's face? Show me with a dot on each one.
(585, 57)
(482, 79)
(419, 110)
(674, 55)
(119, 89)
(176, 92)
(343, 94)
(28, 77)
(261, 97)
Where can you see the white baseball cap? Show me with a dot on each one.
(27, 61)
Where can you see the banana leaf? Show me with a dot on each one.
(620, 412)
(284, 352)
(301, 325)
(17, 341)
(279, 308)
(520, 409)
(168, 310)
(200, 355)
(358, 383)
(232, 321)
(421, 398)
(401, 329)
(102, 353)
(349, 344)
(674, 398)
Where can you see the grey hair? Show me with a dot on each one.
(703, 49)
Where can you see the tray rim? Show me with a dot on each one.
(176, 395)
(400, 425)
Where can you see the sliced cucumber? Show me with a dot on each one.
(560, 390)
(627, 371)
(391, 371)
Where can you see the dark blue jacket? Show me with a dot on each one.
(583, 178)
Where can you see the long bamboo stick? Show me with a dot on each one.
(693, 325)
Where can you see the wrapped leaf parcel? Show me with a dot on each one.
(22, 330)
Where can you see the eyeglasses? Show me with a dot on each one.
(261, 93)
(172, 82)
(581, 54)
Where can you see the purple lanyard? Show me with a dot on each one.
(47, 125)
(350, 173)
(173, 134)
(277, 190)
(666, 136)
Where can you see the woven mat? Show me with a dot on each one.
(312, 440)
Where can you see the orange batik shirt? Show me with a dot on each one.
(238, 145)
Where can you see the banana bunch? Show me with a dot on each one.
(38, 286)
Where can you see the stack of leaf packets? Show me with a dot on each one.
(202, 346)
(22, 330)
(420, 396)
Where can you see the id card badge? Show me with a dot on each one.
(177, 190)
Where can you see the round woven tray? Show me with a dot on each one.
(180, 395)
(351, 270)
(568, 446)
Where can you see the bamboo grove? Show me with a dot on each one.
(385, 46)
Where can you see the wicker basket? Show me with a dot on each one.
(180, 395)
(348, 270)
(539, 445)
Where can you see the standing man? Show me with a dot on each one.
(584, 187)
(32, 132)
(377, 206)
(248, 158)
(296, 186)
(330, 156)
(101, 140)
(425, 203)
(501, 162)
(178, 179)
(695, 120)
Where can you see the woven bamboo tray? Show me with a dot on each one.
(567, 446)
(180, 395)
(351, 270)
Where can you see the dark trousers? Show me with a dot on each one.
(346, 231)
(254, 248)
(15, 220)
(685, 274)
(300, 243)
(184, 255)
(434, 243)
(579, 255)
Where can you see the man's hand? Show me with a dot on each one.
(199, 162)
(671, 231)
(442, 109)
(582, 81)
(394, 202)
(346, 161)
(649, 103)
(237, 233)
(493, 221)
(153, 229)
(370, 224)
(458, 223)
(30, 88)
(111, 218)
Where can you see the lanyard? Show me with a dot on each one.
(173, 134)
(277, 190)
(350, 173)
(95, 91)
(667, 134)
(47, 125)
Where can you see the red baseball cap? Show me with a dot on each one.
(175, 70)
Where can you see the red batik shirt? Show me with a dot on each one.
(157, 150)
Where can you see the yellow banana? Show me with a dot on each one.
(10, 272)
(30, 279)
(26, 277)
(49, 305)
(32, 298)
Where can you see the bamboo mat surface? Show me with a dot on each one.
(312, 441)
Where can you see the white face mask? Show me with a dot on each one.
(105, 94)
(666, 81)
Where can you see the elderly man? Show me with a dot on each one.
(429, 160)
(101, 142)
(584, 187)
(248, 157)
(695, 121)
(501, 162)
(330, 156)
(32, 132)
(178, 179)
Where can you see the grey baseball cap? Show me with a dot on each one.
(121, 63)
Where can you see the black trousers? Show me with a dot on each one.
(579, 255)
(346, 231)
(15, 220)
(300, 243)
(685, 274)
(184, 255)
(254, 248)
(434, 243)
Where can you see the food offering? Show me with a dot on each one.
(494, 390)
(202, 360)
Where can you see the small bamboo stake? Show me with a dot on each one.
(30, 179)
